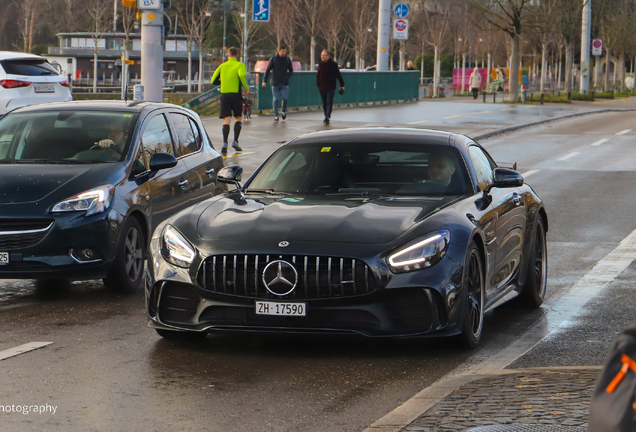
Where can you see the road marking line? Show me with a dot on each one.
(238, 154)
(624, 132)
(568, 156)
(529, 173)
(557, 318)
(12, 352)
(599, 142)
(481, 112)
(420, 121)
(508, 109)
(456, 115)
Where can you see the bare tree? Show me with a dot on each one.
(254, 34)
(98, 11)
(27, 15)
(363, 17)
(195, 18)
(332, 25)
(128, 16)
(436, 23)
(310, 13)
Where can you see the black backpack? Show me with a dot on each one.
(613, 403)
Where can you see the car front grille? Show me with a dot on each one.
(19, 234)
(319, 277)
(178, 303)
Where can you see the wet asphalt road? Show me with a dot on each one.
(107, 371)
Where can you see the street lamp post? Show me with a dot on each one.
(585, 46)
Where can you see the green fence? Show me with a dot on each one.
(361, 88)
(207, 104)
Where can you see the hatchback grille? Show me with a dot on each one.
(318, 277)
(178, 303)
(19, 234)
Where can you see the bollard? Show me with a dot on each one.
(523, 96)
(494, 97)
(531, 97)
(542, 98)
(569, 95)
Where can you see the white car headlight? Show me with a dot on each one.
(92, 201)
(175, 248)
(422, 254)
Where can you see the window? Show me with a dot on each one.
(156, 137)
(139, 165)
(189, 141)
(483, 166)
(28, 67)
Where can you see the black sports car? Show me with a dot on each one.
(379, 232)
(84, 184)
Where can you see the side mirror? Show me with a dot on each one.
(159, 161)
(505, 178)
(231, 175)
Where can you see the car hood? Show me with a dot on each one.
(340, 220)
(23, 183)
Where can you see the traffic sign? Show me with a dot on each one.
(597, 47)
(400, 29)
(149, 4)
(129, 3)
(401, 10)
(261, 11)
(130, 62)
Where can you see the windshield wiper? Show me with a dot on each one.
(267, 191)
(359, 192)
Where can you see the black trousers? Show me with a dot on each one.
(475, 92)
(327, 100)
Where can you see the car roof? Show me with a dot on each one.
(378, 135)
(96, 105)
(8, 55)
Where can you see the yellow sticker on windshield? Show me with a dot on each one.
(127, 115)
(325, 150)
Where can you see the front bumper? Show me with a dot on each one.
(50, 256)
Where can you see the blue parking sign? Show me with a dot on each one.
(261, 11)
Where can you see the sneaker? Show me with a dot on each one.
(276, 118)
(224, 148)
(327, 120)
(284, 115)
(236, 146)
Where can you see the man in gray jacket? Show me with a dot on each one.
(282, 68)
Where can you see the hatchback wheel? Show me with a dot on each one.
(537, 279)
(127, 271)
(473, 291)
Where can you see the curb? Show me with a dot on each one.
(419, 404)
(539, 122)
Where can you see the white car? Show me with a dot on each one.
(27, 79)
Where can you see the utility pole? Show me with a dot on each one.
(586, 37)
(152, 51)
(224, 29)
(115, 17)
(245, 30)
(384, 30)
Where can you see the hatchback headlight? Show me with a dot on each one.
(422, 254)
(92, 201)
(175, 248)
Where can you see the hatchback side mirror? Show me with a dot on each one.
(231, 175)
(159, 161)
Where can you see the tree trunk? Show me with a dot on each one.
(569, 50)
(488, 72)
(200, 88)
(357, 60)
(95, 69)
(543, 68)
(463, 73)
(621, 70)
(513, 83)
(31, 29)
(607, 71)
(189, 68)
(312, 54)
(435, 73)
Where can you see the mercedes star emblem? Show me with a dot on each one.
(283, 244)
(280, 277)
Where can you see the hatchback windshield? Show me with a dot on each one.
(365, 169)
(28, 67)
(65, 136)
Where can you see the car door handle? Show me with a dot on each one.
(516, 198)
(210, 171)
(183, 183)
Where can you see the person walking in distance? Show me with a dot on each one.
(232, 77)
(409, 66)
(282, 68)
(328, 73)
(475, 82)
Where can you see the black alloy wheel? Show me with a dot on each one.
(537, 279)
(474, 295)
(127, 271)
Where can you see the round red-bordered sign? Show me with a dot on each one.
(400, 25)
(597, 43)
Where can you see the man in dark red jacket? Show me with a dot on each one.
(328, 72)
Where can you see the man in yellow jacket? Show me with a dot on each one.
(232, 76)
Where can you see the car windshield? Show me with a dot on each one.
(364, 169)
(28, 67)
(65, 137)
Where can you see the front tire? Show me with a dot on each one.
(534, 290)
(473, 291)
(127, 272)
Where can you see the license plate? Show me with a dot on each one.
(44, 88)
(285, 309)
(4, 258)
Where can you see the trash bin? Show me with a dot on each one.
(138, 92)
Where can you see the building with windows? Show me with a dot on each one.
(75, 55)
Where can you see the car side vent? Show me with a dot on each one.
(178, 303)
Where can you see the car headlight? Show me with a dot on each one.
(175, 248)
(422, 254)
(92, 201)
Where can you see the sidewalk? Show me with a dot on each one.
(543, 396)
